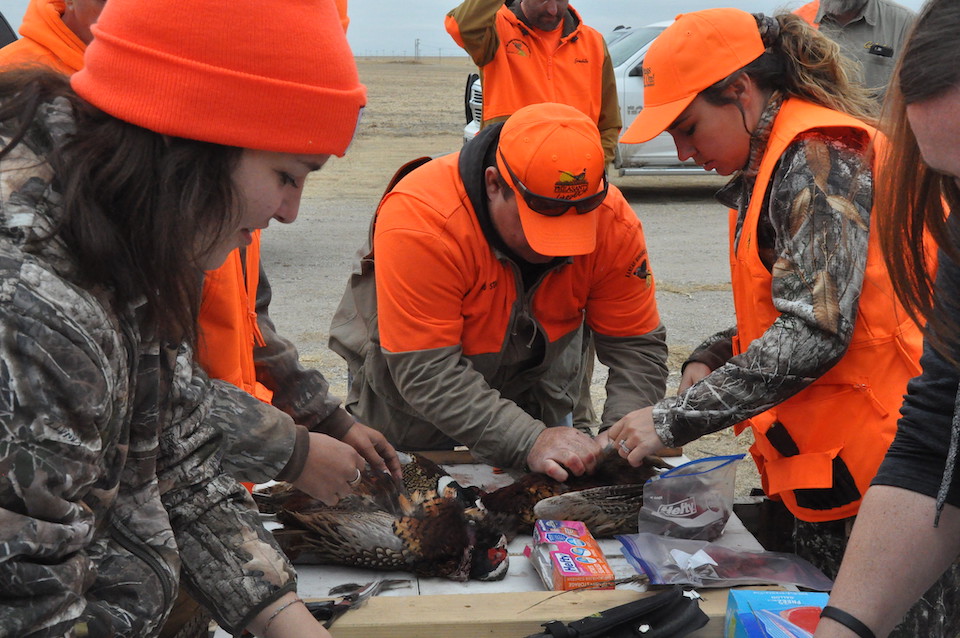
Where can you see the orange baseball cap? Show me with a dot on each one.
(698, 50)
(551, 156)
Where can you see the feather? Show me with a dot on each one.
(847, 208)
(515, 504)
(607, 511)
(818, 159)
(389, 527)
(826, 306)
(799, 210)
(439, 528)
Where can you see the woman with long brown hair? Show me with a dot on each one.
(119, 187)
(906, 539)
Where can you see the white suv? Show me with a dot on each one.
(627, 46)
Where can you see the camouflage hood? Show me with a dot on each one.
(110, 445)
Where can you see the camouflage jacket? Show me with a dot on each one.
(795, 351)
(111, 445)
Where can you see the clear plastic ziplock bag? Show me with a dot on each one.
(691, 501)
(675, 561)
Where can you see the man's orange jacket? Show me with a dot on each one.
(449, 341)
(519, 66)
(45, 40)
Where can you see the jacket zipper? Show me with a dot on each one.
(126, 539)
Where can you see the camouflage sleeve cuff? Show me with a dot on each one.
(298, 458)
(661, 424)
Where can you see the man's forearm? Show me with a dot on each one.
(472, 24)
(638, 371)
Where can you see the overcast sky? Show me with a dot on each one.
(389, 27)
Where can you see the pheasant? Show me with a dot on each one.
(429, 531)
(608, 500)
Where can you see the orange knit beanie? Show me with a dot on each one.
(272, 75)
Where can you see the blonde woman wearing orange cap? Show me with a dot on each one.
(464, 320)
(120, 186)
(820, 356)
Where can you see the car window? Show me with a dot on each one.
(623, 43)
(7, 34)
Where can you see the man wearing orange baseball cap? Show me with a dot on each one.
(464, 319)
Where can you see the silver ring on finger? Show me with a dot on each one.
(623, 446)
(355, 481)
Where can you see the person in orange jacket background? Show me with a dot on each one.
(54, 33)
(532, 51)
(238, 342)
(821, 353)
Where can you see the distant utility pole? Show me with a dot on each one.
(416, 50)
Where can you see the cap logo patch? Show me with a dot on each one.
(571, 185)
(518, 47)
(648, 77)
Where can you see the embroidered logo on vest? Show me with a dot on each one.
(640, 268)
(518, 47)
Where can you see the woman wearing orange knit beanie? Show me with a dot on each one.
(118, 188)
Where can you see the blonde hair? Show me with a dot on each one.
(801, 62)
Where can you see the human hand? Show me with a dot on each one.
(560, 449)
(287, 617)
(692, 372)
(633, 436)
(374, 447)
(331, 470)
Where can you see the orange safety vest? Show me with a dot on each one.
(228, 321)
(809, 12)
(526, 70)
(45, 40)
(848, 416)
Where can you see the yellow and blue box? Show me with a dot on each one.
(772, 614)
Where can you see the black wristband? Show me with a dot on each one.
(847, 620)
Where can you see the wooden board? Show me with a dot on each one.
(502, 615)
(448, 457)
